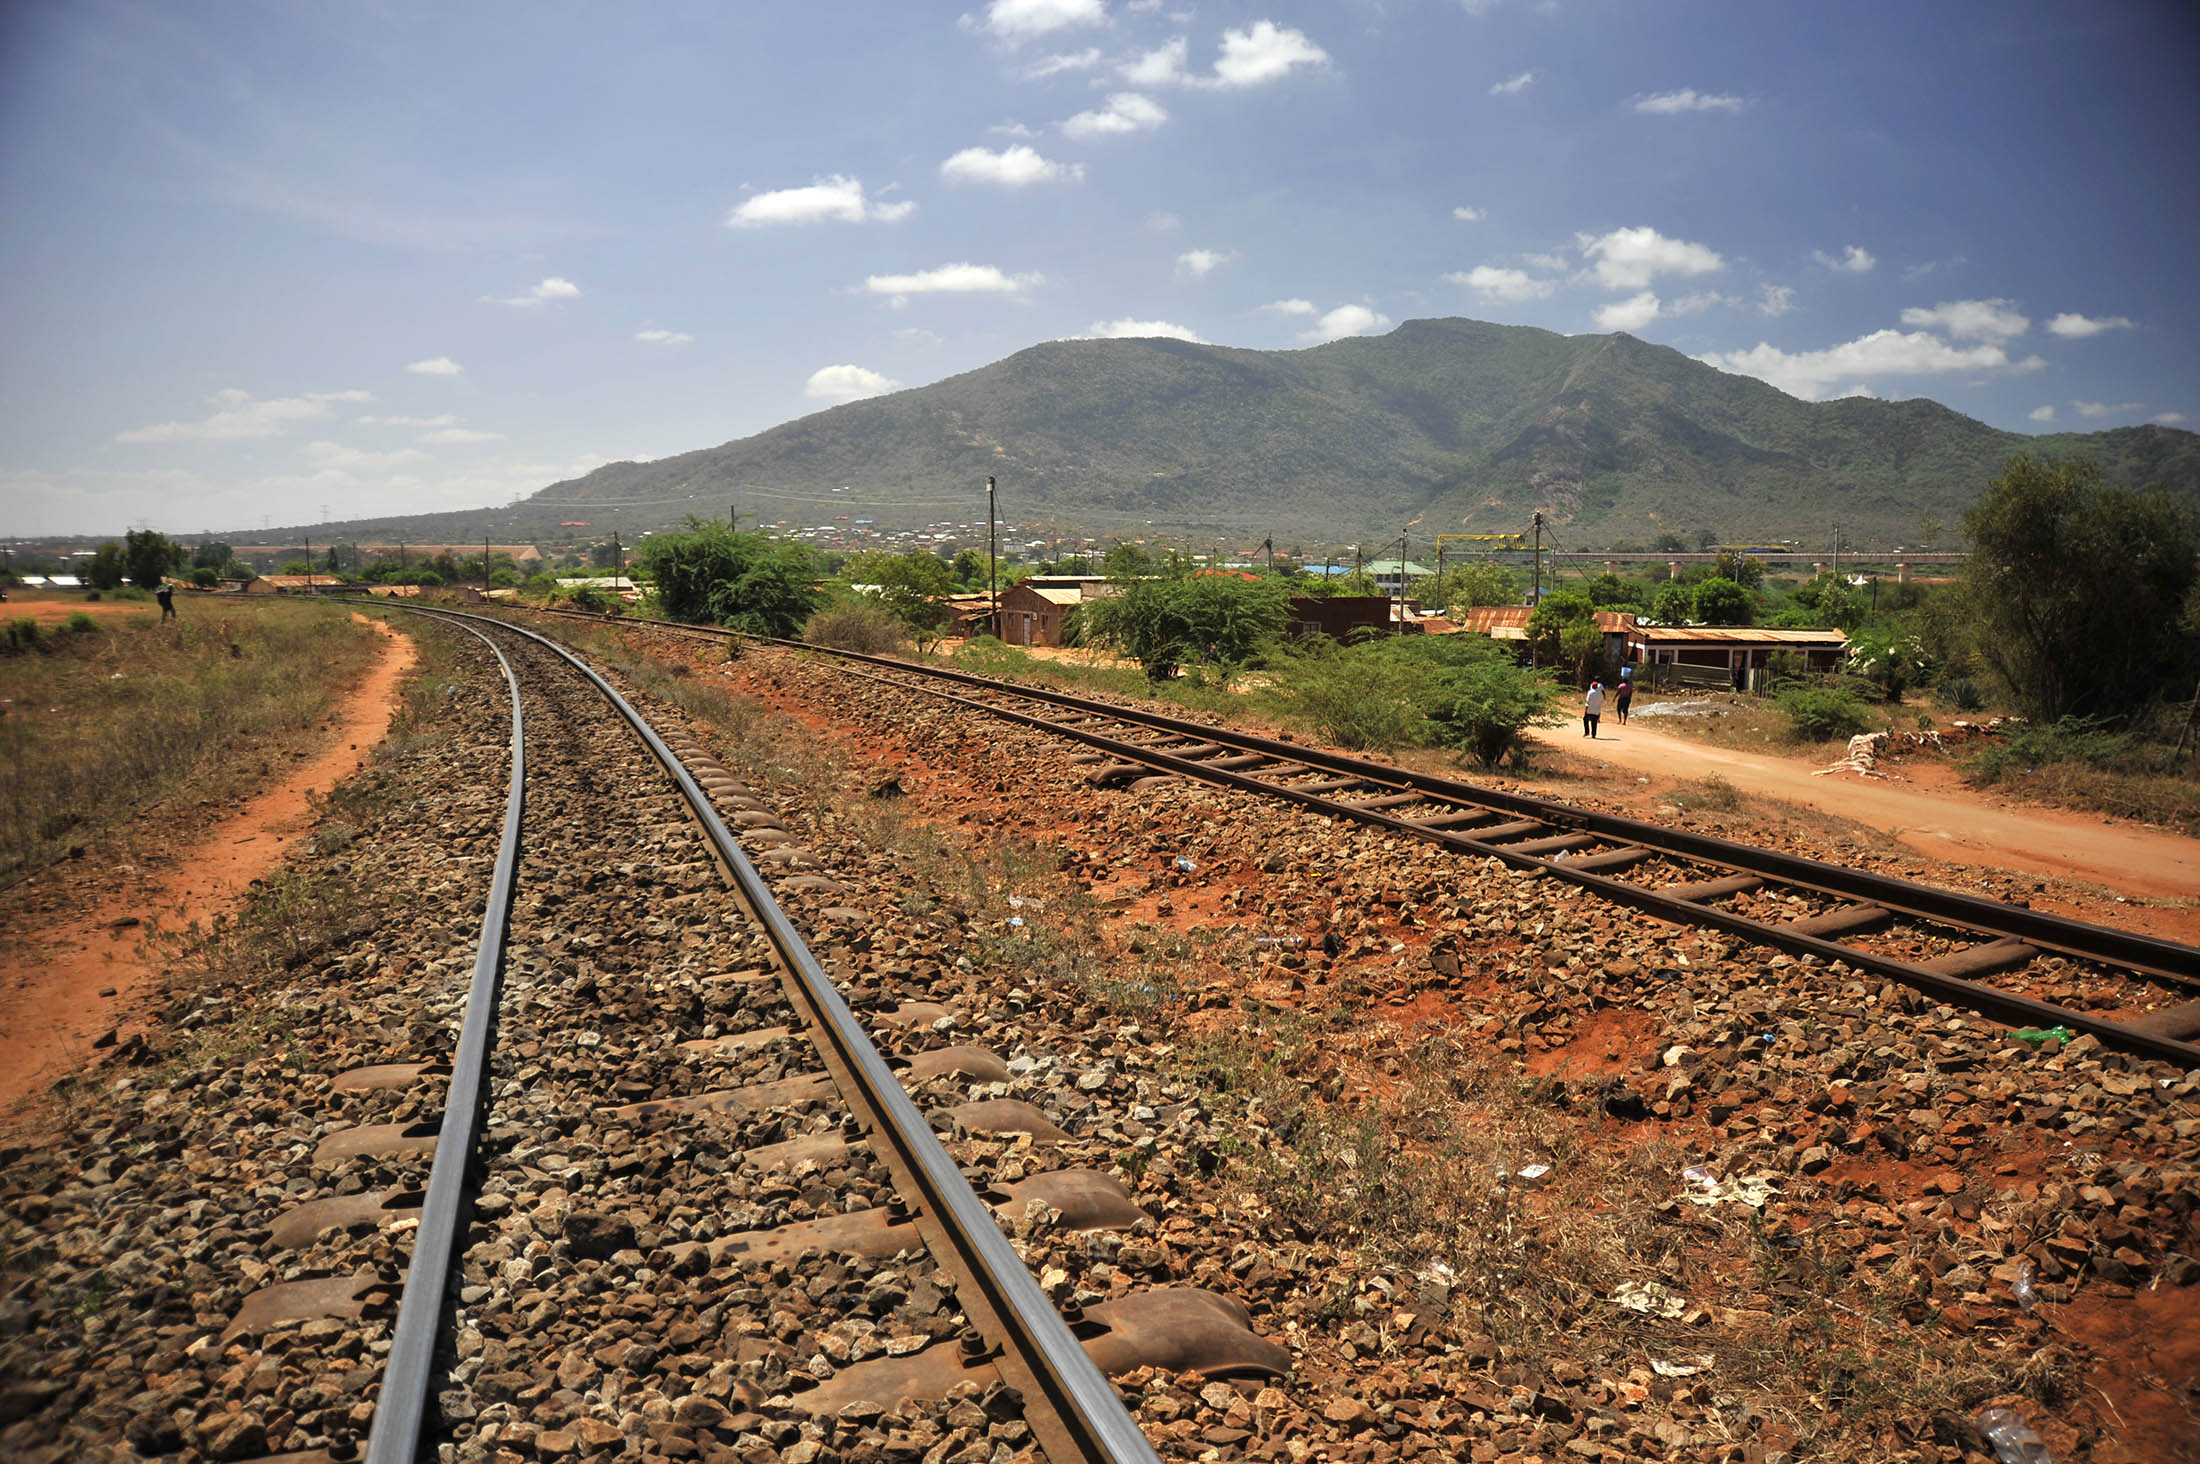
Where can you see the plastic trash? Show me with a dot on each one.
(2044, 1034)
(1015, 920)
(1279, 940)
(1701, 1178)
(1650, 1298)
(2026, 1296)
(2012, 1438)
(1185, 864)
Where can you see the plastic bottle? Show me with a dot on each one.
(2026, 1296)
(2012, 1438)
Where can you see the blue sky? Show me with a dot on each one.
(266, 258)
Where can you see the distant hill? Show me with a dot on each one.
(1439, 425)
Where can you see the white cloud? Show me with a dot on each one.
(1199, 263)
(919, 333)
(658, 336)
(2042, 414)
(1264, 52)
(1345, 320)
(1125, 112)
(460, 434)
(2075, 327)
(835, 199)
(951, 279)
(1127, 329)
(1162, 66)
(445, 420)
(1971, 320)
(1548, 261)
(1012, 129)
(2106, 409)
(1632, 313)
(553, 288)
(848, 383)
(1164, 223)
(1701, 301)
(1628, 259)
(1292, 307)
(1020, 20)
(1687, 99)
(1513, 86)
(1467, 215)
(1011, 167)
(1494, 283)
(1861, 389)
(2168, 419)
(1060, 62)
(334, 456)
(1812, 374)
(239, 415)
(1855, 259)
(1775, 300)
(435, 366)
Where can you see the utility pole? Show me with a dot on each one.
(1536, 597)
(1837, 551)
(992, 564)
(1401, 625)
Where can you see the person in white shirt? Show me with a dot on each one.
(1592, 709)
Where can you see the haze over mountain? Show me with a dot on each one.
(1440, 425)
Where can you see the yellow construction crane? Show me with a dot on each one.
(1494, 541)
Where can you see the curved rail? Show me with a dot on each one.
(408, 1377)
(2015, 933)
(1082, 1418)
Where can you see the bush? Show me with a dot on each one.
(1363, 697)
(20, 635)
(1485, 700)
(1818, 716)
(2083, 740)
(1962, 693)
(205, 578)
(870, 629)
(81, 623)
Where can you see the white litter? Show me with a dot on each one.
(1651, 1298)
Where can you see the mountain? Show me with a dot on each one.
(1439, 425)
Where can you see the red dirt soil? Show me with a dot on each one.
(1929, 811)
(72, 982)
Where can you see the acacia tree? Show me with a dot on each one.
(912, 587)
(2075, 589)
(1211, 619)
(709, 573)
(1463, 586)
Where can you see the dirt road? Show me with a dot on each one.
(1931, 812)
(91, 973)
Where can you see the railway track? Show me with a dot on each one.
(715, 1028)
(1936, 941)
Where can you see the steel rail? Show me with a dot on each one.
(2145, 955)
(1092, 1416)
(408, 1375)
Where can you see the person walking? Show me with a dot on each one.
(1592, 709)
(1622, 694)
(166, 594)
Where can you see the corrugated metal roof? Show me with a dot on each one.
(1728, 635)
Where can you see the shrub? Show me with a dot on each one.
(1484, 702)
(1819, 715)
(870, 629)
(81, 623)
(205, 577)
(1362, 697)
(2083, 740)
(1962, 693)
(20, 635)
